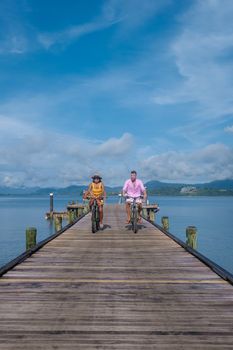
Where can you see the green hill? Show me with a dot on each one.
(154, 187)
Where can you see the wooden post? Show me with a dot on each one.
(120, 196)
(30, 237)
(144, 213)
(70, 217)
(80, 211)
(165, 222)
(151, 215)
(51, 204)
(73, 215)
(191, 235)
(86, 208)
(58, 223)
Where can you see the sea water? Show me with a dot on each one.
(213, 217)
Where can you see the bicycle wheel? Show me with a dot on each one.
(135, 220)
(131, 216)
(93, 219)
(97, 218)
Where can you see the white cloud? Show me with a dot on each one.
(123, 86)
(115, 147)
(20, 36)
(14, 44)
(212, 162)
(14, 126)
(31, 156)
(202, 54)
(47, 40)
(229, 129)
(15, 35)
(134, 13)
(129, 14)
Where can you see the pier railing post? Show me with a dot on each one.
(165, 222)
(80, 211)
(144, 213)
(51, 204)
(73, 215)
(151, 215)
(191, 235)
(31, 233)
(86, 208)
(58, 223)
(70, 216)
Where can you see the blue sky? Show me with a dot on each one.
(113, 85)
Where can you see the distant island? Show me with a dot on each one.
(158, 188)
(214, 188)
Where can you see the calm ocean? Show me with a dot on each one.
(213, 216)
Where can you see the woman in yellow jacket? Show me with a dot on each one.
(96, 191)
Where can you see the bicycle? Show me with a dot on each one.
(134, 214)
(95, 217)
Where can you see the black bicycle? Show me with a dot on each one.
(95, 217)
(134, 216)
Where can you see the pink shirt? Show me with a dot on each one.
(134, 189)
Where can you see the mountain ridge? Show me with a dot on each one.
(152, 186)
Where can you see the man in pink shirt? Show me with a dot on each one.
(134, 188)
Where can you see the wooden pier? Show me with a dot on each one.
(114, 290)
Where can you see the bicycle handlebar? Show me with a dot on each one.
(134, 197)
(93, 197)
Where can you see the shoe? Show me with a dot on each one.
(101, 226)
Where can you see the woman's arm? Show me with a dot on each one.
(103, 191)
(88, 192)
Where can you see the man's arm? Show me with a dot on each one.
(143, 189)
(144, 194)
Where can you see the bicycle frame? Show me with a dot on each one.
(134, 214)
(95, 217)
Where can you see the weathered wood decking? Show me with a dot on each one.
(114, 290)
